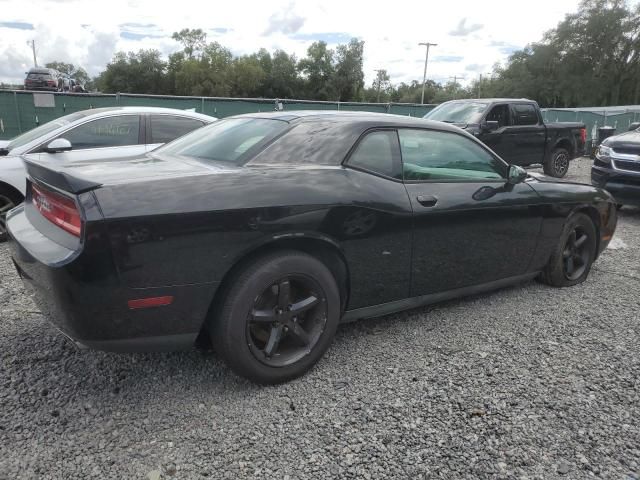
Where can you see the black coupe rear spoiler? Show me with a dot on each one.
(58, 178)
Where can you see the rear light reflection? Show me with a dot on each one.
(583, 135)
(58, 209)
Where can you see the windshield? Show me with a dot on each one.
(44, 129)
(458, 112)
(232, 140)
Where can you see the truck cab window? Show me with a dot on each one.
(525, 114)
(500, 114)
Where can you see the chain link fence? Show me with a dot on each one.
(21, 111)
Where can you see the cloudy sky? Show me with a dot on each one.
(471, 35)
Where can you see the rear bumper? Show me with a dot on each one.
(81, 294)
(624, 186)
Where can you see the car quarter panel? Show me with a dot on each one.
(210, 222)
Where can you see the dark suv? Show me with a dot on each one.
(617, 166)
(42, 79)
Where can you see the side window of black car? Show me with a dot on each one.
(524, 114)
(165, 128)
(430, 155)
(500, 114)
(377, 152)
(117, 131)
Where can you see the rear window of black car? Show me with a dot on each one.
(232, 140)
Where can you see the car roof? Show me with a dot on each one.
(353, 117)
(96, 112)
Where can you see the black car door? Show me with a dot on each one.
(375, 231)
(527, 134)
(470, 227)
(496, 139)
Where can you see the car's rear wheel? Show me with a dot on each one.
(277, 318)
(8, 200)
(557, 165)
(571, 261)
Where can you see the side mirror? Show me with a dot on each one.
(516, 175)
(490, 125)
(58, 145)
(634, 126)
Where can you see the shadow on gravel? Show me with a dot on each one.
(42, 357)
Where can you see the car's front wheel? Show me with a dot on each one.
(557, 165)
(277, 318)
(571, 261)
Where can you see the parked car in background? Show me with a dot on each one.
(101, 133)
(514, 129)
(617, 166)
(264, 231)
(46, 79)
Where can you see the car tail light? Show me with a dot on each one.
(583, 135)
(58, 209)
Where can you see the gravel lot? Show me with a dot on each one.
(527, 382)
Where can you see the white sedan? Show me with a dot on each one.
(102, 133)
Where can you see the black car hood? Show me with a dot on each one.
(628, 142)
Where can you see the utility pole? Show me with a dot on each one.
(480, 87)
(455, 84)
(378, 72)
(33, 48)
(426, 60)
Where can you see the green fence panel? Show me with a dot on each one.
(9, 116)
(224, 107)
(410, 110)
(594, 118)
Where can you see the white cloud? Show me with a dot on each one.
(88, 34)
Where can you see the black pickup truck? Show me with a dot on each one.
(514, 129)
(616, 167)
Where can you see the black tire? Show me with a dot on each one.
(8, 200)
(557, 164)
(242, 336)
(557, 273)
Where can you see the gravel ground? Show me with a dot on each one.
(527, 382)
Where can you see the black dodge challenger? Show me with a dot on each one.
(265, 231)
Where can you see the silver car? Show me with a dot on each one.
(101, 133)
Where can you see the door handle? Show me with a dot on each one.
(427, 200)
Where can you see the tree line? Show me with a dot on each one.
(592, 58)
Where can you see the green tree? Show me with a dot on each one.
(141, 72)
(284, 81)
(192, 40)
(349, 76)
(318, 68)
(246, 76)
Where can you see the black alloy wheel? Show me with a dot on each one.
(276, 316)
(575, 255)
(571, 261)
(287, 320)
